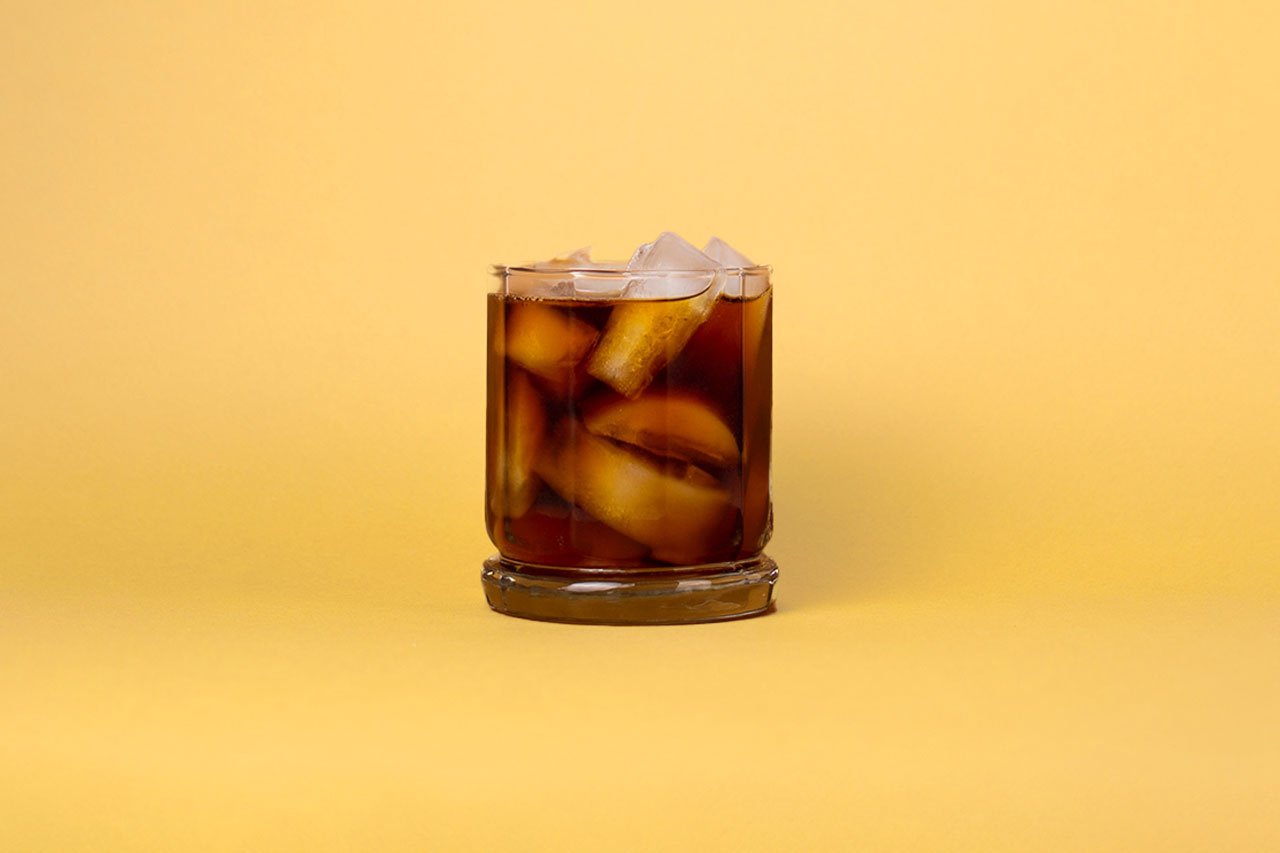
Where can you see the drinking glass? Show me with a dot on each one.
(628, 437)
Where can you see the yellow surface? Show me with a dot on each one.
(1027, 465)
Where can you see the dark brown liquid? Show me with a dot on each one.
(582, 476)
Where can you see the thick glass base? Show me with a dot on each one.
(708, 593)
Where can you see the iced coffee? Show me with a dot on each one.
(628, 432)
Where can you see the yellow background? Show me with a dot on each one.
(1027, 419)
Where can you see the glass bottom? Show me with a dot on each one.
(709, 593)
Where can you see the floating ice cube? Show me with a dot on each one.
(573, 275)
(576, 258)
(599, 285)
(670, 252)
(547, 341)
(660, 315)
(740, 280)
(725, 255)
(686, 270)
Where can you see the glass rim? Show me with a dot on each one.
(597, 272)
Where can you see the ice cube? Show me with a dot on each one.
(538, 282)
(675, 426)
(599, 286)
(643, 334)
(725, 255)
(742, 278)
(519, 447)
(670, 252)
(577, 259)
(683, 519)
(573, 275)
(547, 341)
(682, 270)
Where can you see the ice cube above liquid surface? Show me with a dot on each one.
(725, 255)
(643, 335)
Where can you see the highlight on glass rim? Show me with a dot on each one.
(628, 435)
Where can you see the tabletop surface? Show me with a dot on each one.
(423, 721)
